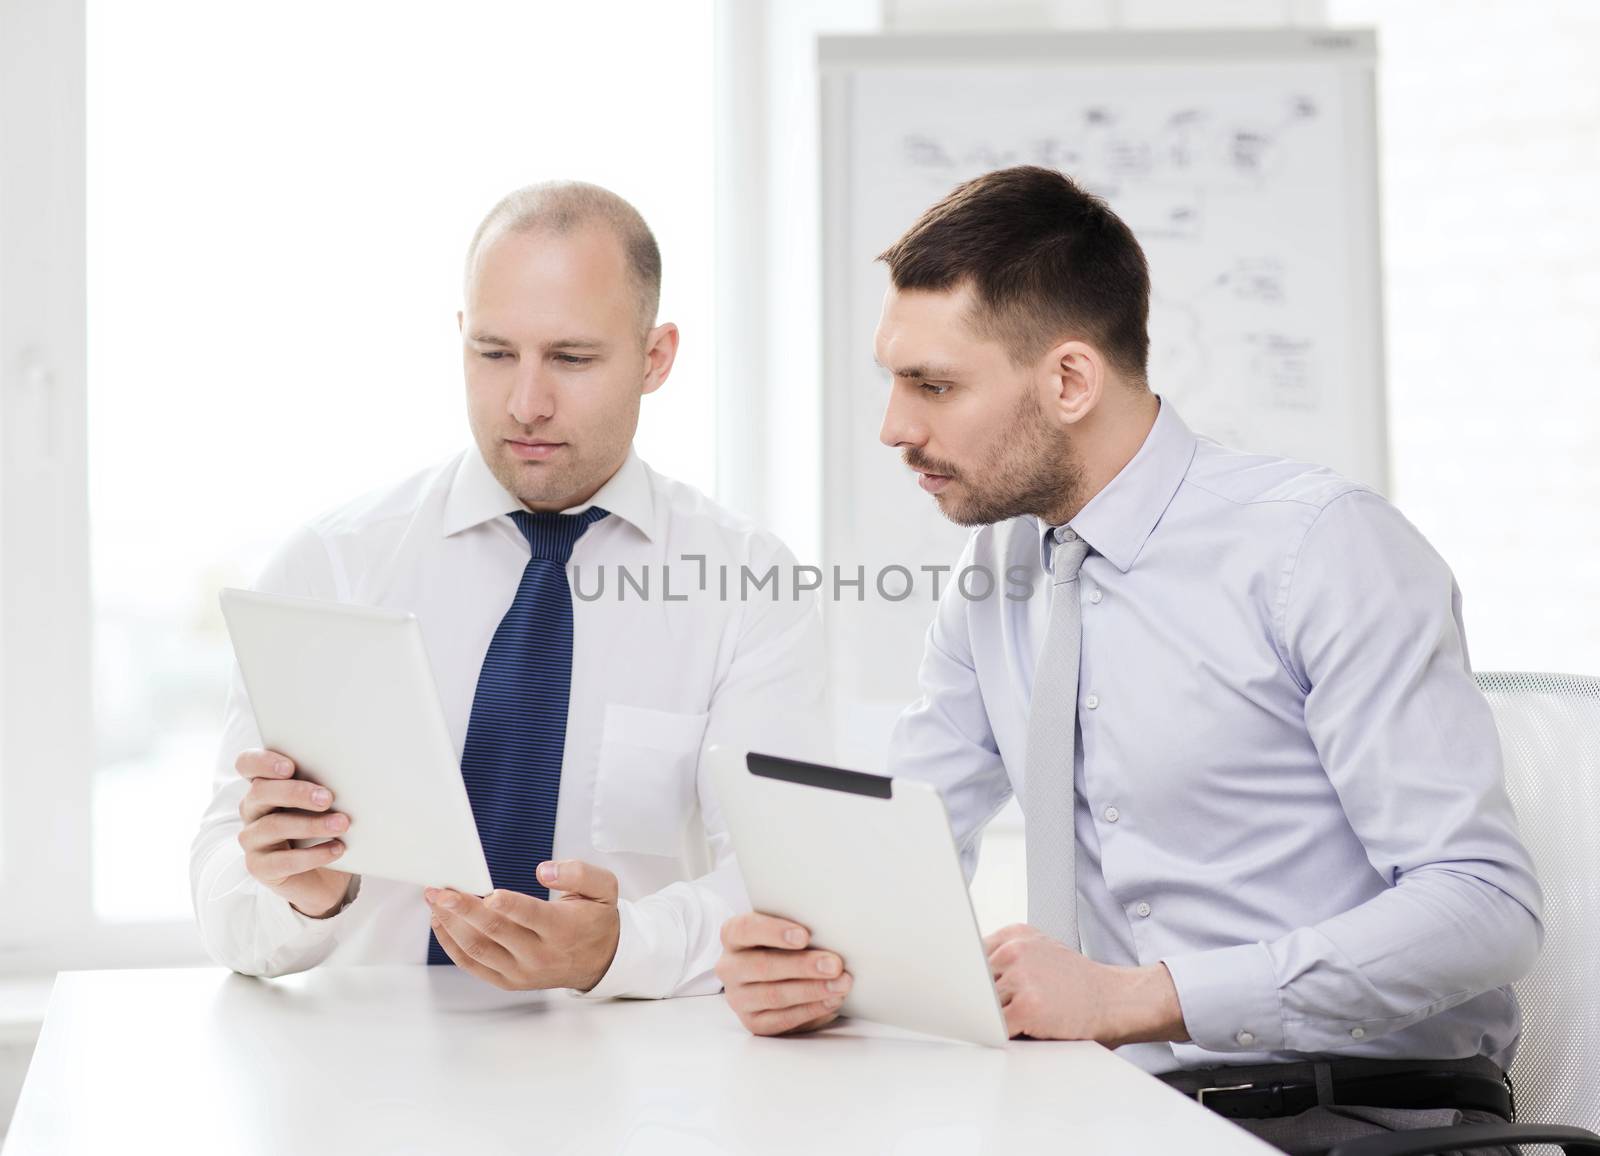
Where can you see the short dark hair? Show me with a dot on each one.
(1046, 259)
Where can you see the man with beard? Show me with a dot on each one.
(1269, 849)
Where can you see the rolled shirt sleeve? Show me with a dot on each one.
(1370, 626)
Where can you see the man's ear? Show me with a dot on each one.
(660, 351)
(1075, 376)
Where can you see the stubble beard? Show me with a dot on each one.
(1031, 470)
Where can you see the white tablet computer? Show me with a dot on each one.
(869, 865)
(348, 694)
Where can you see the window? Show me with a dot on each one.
(279, 201)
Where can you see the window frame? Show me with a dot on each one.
(47, 918)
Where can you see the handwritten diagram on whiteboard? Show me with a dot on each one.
(1249, 183)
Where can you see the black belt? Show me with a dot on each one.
(1419, 1088)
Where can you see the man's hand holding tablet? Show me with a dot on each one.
(887, 898)
(862, 910)
(279, 808)
(775, 984)
(350, 690)
(1047, 990)
(515, 942)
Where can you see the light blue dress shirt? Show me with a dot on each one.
(1289, 789)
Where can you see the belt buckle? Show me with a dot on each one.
(1201, 1094)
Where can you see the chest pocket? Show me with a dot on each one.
(644, 792)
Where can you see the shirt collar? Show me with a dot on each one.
(1120, 518)
(476, 496)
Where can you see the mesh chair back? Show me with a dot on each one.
(1550, 732)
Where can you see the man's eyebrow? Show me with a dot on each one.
(934, 372)
(584, 343)
(930, 370)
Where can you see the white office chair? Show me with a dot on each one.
(1550, 733)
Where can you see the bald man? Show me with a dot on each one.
(592, 625)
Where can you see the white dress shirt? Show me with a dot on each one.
(653, 679)
(1289, 788)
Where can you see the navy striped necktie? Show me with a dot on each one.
(512, 757)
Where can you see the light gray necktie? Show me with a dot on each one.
(1051, 837)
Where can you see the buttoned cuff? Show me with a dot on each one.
(631, 970)
(1229, 998)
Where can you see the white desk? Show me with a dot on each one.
(430, 1060)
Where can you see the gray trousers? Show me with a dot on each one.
(1314, 1131)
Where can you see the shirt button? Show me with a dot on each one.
(1095, 596)
(1358, 1033)
(1245, 1039)
(1092, 701)
(1112, 814)
(1144, 910)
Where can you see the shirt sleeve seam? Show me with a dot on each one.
(1291, 571)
